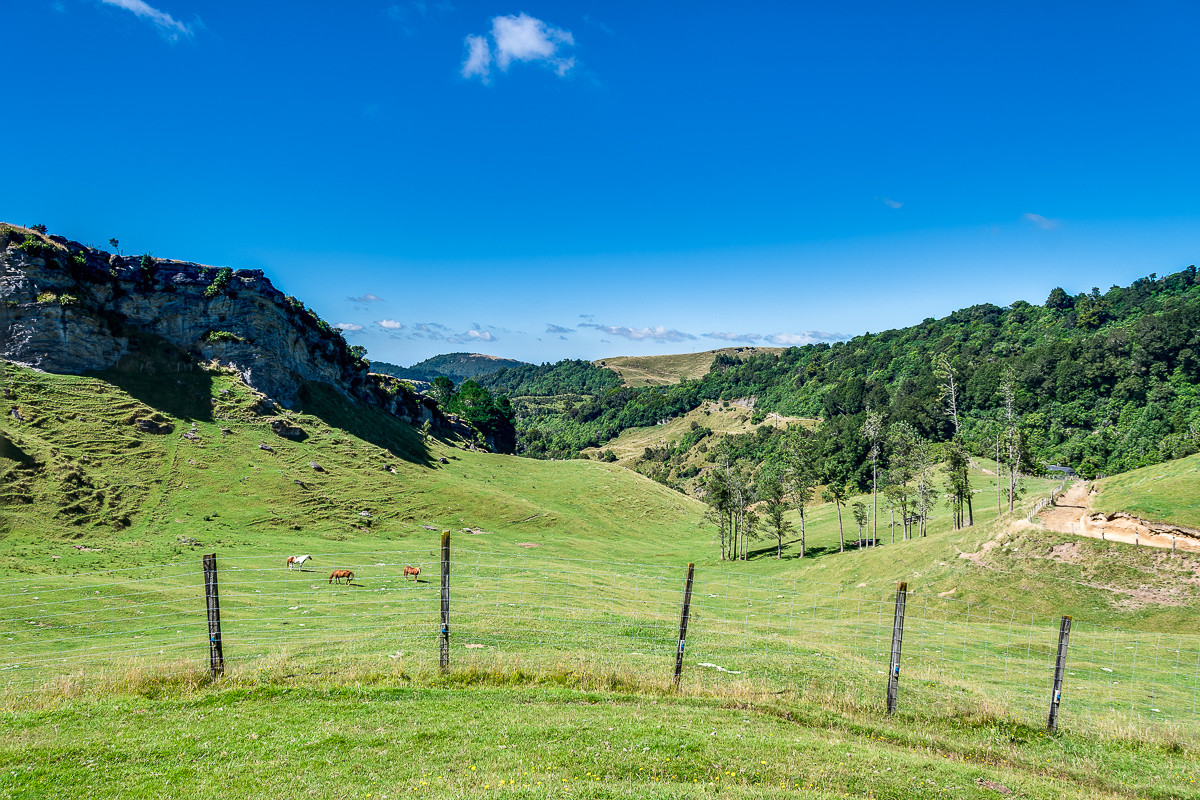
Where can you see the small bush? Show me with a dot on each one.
(219, 283)
(47, 297)
(35, 247)
(39, 228)
(146, 269)
(222, 336)
(68, 300)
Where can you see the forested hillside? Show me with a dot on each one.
(1102, 382)
(458, 367)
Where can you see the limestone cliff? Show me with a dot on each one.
(66, 307)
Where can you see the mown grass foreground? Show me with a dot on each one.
(476, 735)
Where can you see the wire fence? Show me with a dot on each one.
(746, 633)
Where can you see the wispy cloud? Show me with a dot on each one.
(366, 298)
(390, 324)
(348, 327)
(805, 337)
(482, 336)
(748, 338)
(658, 333)
(517, 38)
(890, 203)
(1040, 221)
(552, 328)
(590, 20)
(168, 26)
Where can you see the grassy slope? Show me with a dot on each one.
(238, 499)
(662, 370)
(76, 446)
(1167, 492)
(632, 442)
(525, 742)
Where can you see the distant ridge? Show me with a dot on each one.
(458, 367)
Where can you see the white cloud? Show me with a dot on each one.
(656, 334)
(168, 25)
(483, 336)
(348, 326)
(479, 58)
(748, 338)
(890, 203)
(804, 337)
(1042, 222)
(552, 328)
(366, 298)
(391, 324)
(518, 38)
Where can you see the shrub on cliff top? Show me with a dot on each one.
(220, 283)
(222, 336)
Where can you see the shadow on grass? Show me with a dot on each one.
(365, 422)
(163, 377)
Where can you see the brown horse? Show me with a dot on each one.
(338, 574)
(414, 571)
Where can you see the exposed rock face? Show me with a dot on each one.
(65, 307)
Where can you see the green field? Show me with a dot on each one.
(566, 585)
(1167, 492)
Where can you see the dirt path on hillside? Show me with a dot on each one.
(1073, 514)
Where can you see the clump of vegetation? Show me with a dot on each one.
(68, 300)
(219, 283)
(35, 246)
(47, 297)
(223, 336)
(146, 270)
(40, 228)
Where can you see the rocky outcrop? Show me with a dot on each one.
(65, 307)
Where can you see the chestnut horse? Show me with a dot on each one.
(338, 574)
(414, 571)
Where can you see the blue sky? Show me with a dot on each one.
(548, 180)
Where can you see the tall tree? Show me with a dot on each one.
(801, 474)
(859, 510)
(775, 506)
(837, 493)
(872, 431)
(949, 387)
(905, 460)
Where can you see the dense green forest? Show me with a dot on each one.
(458, 367)
(1102, 382)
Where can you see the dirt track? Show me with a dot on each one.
(1074, 514)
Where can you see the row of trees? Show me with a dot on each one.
(749, 500)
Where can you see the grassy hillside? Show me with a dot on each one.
(77, 470)
(1168, 492)
(663, 370)
(554, 682)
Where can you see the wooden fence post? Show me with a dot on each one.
(444, 641)
(893, 687)
(1060, 668)
(683, 623)
(216, 657)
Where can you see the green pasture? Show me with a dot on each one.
(1167, 492)
(566, 585)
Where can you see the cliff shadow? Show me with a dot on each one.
(163, 377)
(366, 422)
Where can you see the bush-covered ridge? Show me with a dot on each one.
(1104, 382)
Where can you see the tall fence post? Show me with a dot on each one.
(893, 687)
(683, 623)
(1060, 668)
(444, 639)
(216, 657)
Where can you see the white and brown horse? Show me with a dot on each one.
(296, 561)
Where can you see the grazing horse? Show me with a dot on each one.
(297, 561)
(414, 571)
(338, 574)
